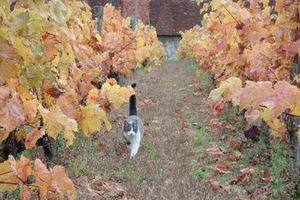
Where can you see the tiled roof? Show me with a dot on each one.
(168, 16)
(171, 16)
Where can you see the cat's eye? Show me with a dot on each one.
(135, 126)
(127, 126)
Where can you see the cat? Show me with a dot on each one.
(133, 128)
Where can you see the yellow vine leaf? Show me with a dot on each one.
(51, 183)
(69, 104)
(116, 94)
(21, 134)
(43, 177)
(30, 109)
(278, 128)
(11, 109)
(93, 96)
(59, 11)
(55, 122)
(296, 110)
(55, 178)
(91, 117)
(8, 177)
(216, 4)
(9, 65)
(228, 90)
(32, 138)
(3, 134)
(62, 183)
(25, 52)
(22, 168)
(49, 100)
(104, 118)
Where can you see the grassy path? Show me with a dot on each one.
(163, 168)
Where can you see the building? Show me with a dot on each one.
(169, 17)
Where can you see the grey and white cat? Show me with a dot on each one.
(133, 128)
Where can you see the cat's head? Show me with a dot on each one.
(130, 128)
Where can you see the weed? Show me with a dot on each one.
(140, 71)
(79, 163)
(201, 173)
(183, 81)
(128, 171)
(181, 94)
(192, 65)
(202, 140)
(280, 164)
(202, 76)
(227, 116)
(152, 151)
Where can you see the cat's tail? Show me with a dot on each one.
(132, 103)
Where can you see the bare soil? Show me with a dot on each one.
(173, 162)
(162, 168)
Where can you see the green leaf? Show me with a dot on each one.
(34, 75)
(58, 11)
(5, 6)
(19, 19)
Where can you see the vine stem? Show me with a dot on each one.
(292, 115)
(230, 14)
(5, 173)
(8, 183)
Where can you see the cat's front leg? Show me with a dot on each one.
(134, 147)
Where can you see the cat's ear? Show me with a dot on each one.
(135, 123)
(126, 124)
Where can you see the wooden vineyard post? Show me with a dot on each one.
(111, 2)
(294, 122)
(100, 18)
(135, 14)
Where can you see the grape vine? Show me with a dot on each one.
(51, 56)
(249, 47)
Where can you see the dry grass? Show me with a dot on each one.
(163, 167)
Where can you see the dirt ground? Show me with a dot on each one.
(173, 162)
(162, 169)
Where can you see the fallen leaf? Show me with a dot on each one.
(248, 170)
(186, 99)
(265, 179)
(267, 172)
(218, 108)
(240, 145)
(254, 161)
(215, 122)
(237, 156)
(215, 184)
(215, 151)
(240, 179)
(184, 124)
(221, 168)
(147, 101)
(230, 127)
(113, 189)
(232, 142)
